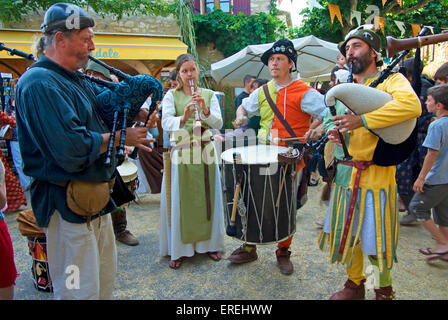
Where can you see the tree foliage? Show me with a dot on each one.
(231, 33)
(14, 10)
(424, 12)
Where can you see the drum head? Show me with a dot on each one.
(127, 170)
(257, 154)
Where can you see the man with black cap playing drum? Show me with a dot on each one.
(364, 219)
(63, 142)
(296, 102)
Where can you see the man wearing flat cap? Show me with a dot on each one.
(297, 102)
(363, 219)
(63, 142)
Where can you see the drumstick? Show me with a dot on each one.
(231, 229)
(277, 140)
(281, 186)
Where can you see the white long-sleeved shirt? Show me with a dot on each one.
(312, 102)
(171, 122)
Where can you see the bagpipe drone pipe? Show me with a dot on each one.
(121, 102)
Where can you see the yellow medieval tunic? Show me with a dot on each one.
(377, 196)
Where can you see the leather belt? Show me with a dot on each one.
(60, 183)
(360, 165)
(65, 183)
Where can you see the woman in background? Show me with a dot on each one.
(14, 193)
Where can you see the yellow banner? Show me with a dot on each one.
(335, 11)
(379, 23)
(415, 29)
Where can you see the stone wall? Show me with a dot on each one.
(257, 6)
(436, 55)
(147, 25)
(128, 24)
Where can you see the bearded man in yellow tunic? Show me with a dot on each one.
(368, 224)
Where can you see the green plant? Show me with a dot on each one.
(229, 110)
(423, 12)
(14, 10)
(231, 33)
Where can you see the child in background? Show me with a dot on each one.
(441, 75)
(431, 186)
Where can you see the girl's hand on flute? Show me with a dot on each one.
(200, 102)
(188, 111)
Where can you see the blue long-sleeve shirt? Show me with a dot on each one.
(59, 131)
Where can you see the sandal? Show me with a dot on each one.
(175, 264)
(429, 252)
(438, 255)
(425, 251)
(215, 255)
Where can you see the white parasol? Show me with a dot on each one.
(316, 58)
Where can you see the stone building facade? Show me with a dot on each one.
(435, 55)
(152, 28)
(149, 26)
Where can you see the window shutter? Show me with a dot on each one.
(241, 6)
(197, 7)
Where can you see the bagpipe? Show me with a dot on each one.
(15, 52)
(396, 45)
(124, 98)
(396, 142)
(119, 102)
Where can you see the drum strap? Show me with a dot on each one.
(277, 112)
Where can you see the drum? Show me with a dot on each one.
(128, 172)
(39, 264)
(266, 211)
(37, 245)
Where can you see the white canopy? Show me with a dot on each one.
(316, 58)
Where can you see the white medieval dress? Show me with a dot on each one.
(176, 240)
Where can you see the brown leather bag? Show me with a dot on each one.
(87, 198)
(26, 222)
